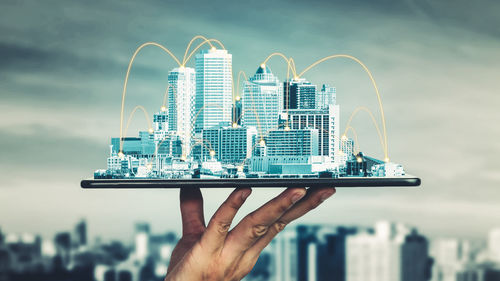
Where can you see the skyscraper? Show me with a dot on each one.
(326, 96)
(181, 94)
(326, 121)
(299, 93)
(262, 96)
(494, 244)
(213, 99)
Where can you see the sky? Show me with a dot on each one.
(63, 63)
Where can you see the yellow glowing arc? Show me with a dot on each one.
(199, 46)
(146, 115)
(128, 74)
(372, 117)
(355, 134)
(381, 108)
(191, 42)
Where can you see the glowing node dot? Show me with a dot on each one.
(296, 78)
(151, 130)
(359, 159)
(287, 128)
(235, 125)
(386, 160)
(240, 169)
(163, 108)
(213, 48)
(150, 166)
(263, 65)
(212, 153)
(120, 154)
(344, 137)
(183, 157)
(238, 98)
(181, 67)
(262, 143)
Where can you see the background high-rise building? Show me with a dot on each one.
(299, 93)
(326, 96)
(262, 96)
(295, 142)
(494, 245)
(213, 99)
(181, 94)
(326, 121)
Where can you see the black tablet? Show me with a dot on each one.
(402, 181)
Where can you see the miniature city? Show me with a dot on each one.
(266, 129)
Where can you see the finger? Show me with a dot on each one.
(218, 227)
(313, 198)
(193, 220)
(256, 224)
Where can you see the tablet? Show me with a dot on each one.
(403, 181)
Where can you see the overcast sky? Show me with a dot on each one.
(62, 66)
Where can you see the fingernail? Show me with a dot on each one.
(297, 196)
(245, 194)
(325, 195)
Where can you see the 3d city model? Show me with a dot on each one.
(262, 128)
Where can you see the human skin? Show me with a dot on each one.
(216, 253)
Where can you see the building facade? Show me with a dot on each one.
(181, 94)
(262, 95)
(299, 93)
(294, 142)
(326, 121)
(213, 99)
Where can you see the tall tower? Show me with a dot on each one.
(299, 94)
(213, 100)
(181, 94)
(262, 95)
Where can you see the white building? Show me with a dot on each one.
(391, 253)
(262, 96)
(326, 121)
(326, 96)
(230, 145)
(346, 149)
(494, 245)
(450, 256)
(181, 94)
(213, 99)
(284, 248)
(293, 142)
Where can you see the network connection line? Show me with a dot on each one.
(191, 42)
(146, 115)
(374, 121)
(355, 134)
(381, 108)
(124, 92)
(207, 41)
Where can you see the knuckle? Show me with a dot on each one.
(221, 227)
(259, 230)
(279, 226)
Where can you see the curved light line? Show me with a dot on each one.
(199, 46)
(372, 117)
(146, 114)
(356, 140)
(189, 46)
(124, 92)
(381, 108)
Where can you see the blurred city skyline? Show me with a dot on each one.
(436, 64)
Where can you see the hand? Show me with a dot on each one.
(213, 253)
